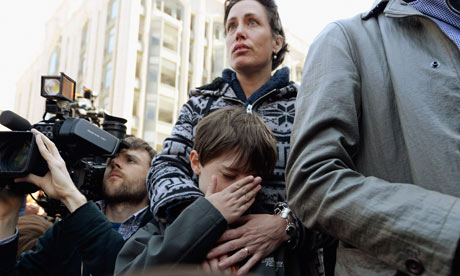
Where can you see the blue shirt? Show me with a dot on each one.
(439, 11)
(129, 226)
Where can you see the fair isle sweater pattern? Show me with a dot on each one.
(171, 180)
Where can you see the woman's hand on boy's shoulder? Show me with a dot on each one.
(235, 199)
(257, 236)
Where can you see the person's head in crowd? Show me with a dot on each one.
(255, 38)
(231, 144)
(30, 228)
(124, 177)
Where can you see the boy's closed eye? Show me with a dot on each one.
(229, 176)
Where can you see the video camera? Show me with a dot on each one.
(76, 130)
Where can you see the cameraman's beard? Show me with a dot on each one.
(129, 192)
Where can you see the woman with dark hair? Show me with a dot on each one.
(256, 45)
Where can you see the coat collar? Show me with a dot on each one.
(391, 8)
(220, 87)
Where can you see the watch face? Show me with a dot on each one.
(454, 5)
(290, 230)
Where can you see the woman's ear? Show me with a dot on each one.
(277, 43)
(195, 162)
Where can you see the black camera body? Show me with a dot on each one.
(75, 130)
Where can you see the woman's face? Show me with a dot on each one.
(250, 43)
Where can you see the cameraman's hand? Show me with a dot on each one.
(10, 204)
(56, 183)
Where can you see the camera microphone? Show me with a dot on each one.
(13, 121)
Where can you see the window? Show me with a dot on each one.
(218, 31)
(166, 110)
(173, 8)
(157, 4)
(110, 45)
(136, 104)
(178, 12)
(54, 62)
(206, 30)
(192, 23)
(107, 75)
(140, 35)
(150, 112)
(138, 65)
(103, 97)
(206, 65)
(83, 46)
(299, 71)
(168, 10)
(170, 37)
(81, 69)
(168, 72)
(218, 60)
(113, 10)
(154, 45)
(84, 36)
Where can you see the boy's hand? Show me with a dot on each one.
(56, 183)
(234, 200)
(10, 203)
(211, 266)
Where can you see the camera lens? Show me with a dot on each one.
(117, 129)
(13, 156)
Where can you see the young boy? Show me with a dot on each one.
(231, 146)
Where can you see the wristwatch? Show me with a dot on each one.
(283, 210)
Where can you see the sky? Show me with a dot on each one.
(22, 28)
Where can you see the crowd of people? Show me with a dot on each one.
(354, 172)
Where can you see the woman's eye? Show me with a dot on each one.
(230, 27)
(252, 22)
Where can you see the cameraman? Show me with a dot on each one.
(85, 242)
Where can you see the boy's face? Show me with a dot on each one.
(220, 166)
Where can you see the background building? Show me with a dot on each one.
(139, 57)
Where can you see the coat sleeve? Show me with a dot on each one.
(393, 222)
(39, 261)
(85, 233)
(185, 241)
(170, 177)
(91, 233)
(8, 257)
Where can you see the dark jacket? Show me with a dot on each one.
(188, 239)
(85, 236)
